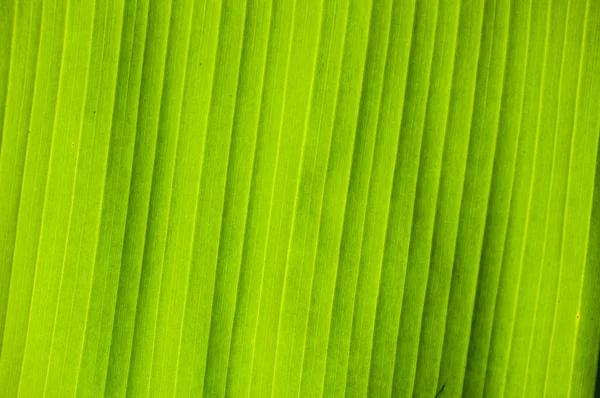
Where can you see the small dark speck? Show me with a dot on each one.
(94, 112)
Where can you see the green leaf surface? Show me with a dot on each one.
(314, 198)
